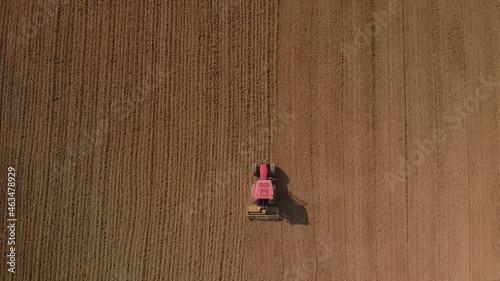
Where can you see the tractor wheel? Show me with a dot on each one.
(272, 202)
(251, 193)
(255, 170)
(272, 169)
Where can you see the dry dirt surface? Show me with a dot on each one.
(132, 127)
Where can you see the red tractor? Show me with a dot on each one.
(263, 193)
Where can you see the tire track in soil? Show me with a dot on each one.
(423, 201)
(258, 141)
(453, 190)
(481, 51)
(359, 148)
(310, 88)
(389, 140)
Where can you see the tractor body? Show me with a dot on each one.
(263, 193)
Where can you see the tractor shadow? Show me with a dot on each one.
(292, 209)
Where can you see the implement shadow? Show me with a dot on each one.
(291, 208)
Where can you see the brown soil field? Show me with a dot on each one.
(132, 127)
